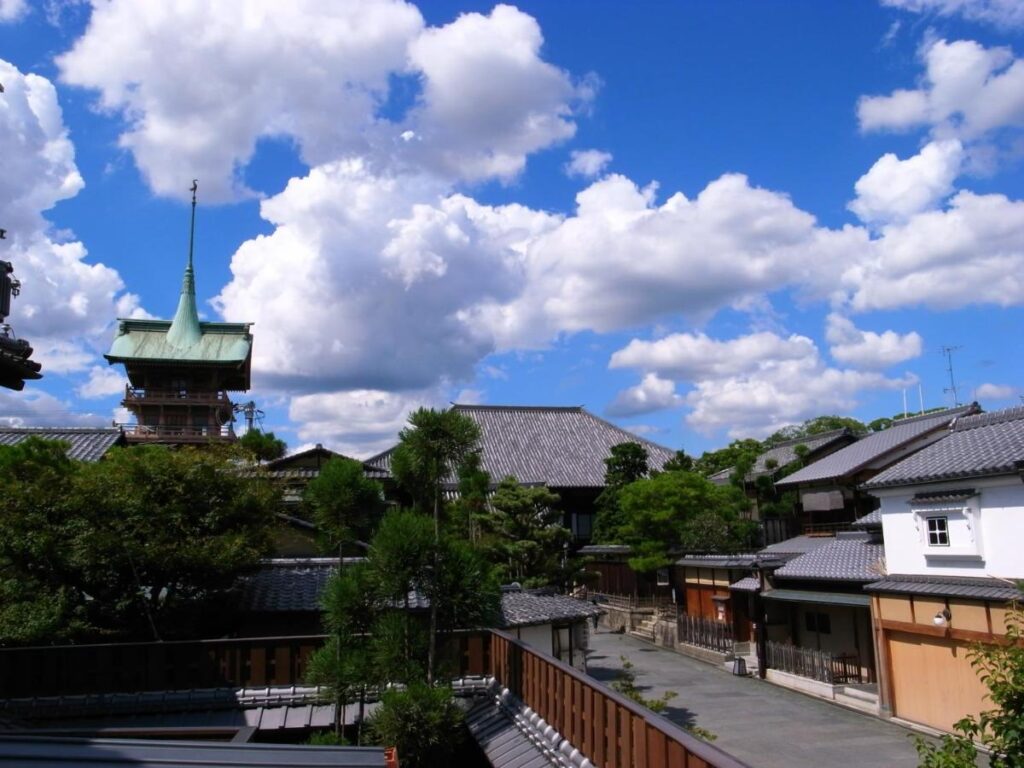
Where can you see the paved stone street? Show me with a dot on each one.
(758, 723)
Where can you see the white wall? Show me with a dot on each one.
(985, 533)
(539, 636)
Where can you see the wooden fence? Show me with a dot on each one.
(817, 665)
(705, 633)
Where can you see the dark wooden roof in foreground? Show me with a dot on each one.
(561, 447)
(137, 753)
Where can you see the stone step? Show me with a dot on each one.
(640, 633)
(859, 693)
(855, 702)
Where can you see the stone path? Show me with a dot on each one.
(759, 723)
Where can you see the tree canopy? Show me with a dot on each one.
(680, 511)
(263, 446)
(626, 463)
(817, 426)
(139, 544)
(345, 504)
(522, 533)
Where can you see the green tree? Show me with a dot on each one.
(817, 426)
(681, 462)
(423, 722)
(430, 451)
(523, 534)
(344, 502)
(146, 541)
(262, 446)
(670, 511)
(344, 664)
(626, 463)
(738, 451)
(474, 484)
(1000, 729)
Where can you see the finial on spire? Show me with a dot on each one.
(192, 231)
(184, 330)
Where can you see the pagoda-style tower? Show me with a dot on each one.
(180, 371)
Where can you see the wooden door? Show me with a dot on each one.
(932, 680)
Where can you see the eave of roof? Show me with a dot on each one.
(85, 443)
(977, 446)
(980, 588)
(847, 461)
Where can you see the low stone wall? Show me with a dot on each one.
(804, 684)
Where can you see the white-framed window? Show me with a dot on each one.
(938, 531)
(663, 577)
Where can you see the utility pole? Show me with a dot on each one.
(951, 389)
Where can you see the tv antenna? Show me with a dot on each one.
(951, 389)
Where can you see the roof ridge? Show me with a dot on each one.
(974, 421)
(483, 407)
(957, 411)
(807, 438)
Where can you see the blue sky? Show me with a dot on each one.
(701, 220)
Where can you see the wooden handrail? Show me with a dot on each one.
(607, 728)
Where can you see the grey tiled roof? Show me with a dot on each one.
(503, 740)
(848, 557)
(286, 585)
(719, 561)
(785, 452)
(870, 520)
(558, 447)
(596, 550)
(798, 545)
(521, 609)
(87, 443)
(875, 446)
(946, 586)
(746, 584)
(977, 446)
(296, 584)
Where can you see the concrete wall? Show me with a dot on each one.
(984, 532)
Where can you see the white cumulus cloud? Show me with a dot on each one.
(587, 163)
(989, 391)
(867, 349)
(895, 189)
(968, 91)
(12, 10)
(103, 381)
(651, 394)
(66, 304)
(1001, 13)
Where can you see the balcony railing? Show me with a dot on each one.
(138, 394)
(608, 729)
(165, 433)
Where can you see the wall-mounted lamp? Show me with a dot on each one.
(942, 618)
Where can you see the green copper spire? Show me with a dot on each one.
(184, 331)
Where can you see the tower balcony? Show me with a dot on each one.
(154, 396)
(170, 434)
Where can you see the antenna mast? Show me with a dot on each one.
(951, 389)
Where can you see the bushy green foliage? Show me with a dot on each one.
(817, 426)
(738, 452)
(344, 503)
(262, 446)
(423, 722)
(626, 463)
(522, 533)
(680, 510)
(1000, 729)
(142, 543)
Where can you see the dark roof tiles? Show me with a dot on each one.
(977, 446)
(854, 457)
(87, 443)
(849, 557)
(947, 586)
(558, 447)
